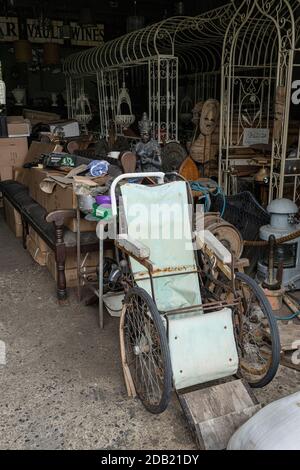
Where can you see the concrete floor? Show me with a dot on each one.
(62, 385)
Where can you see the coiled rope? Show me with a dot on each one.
(207, 193)
(279, 241)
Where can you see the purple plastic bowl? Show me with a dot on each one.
(103, 200)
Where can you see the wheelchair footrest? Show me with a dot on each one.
(202, 347)
(215, 412)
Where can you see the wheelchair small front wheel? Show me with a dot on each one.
(147, 350)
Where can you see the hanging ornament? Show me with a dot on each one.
(124, 120)
(83, 112)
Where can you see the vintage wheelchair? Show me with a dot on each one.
(188, 317)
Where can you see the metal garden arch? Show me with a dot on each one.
(176, 47)
(257, 66)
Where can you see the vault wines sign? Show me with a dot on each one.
(9, 29)
(87, 35)
(92, 35)
(40, 34)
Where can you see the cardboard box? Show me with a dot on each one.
(13, 152)
(36, 149)
(17, 126)
(37, 248)
(38, 240)
(71, 266)
(13, 218)
(60, 198)
(36, 253)
(39, 116)
(85, 225)
(22, 175)
(70, 127)
(6, 173)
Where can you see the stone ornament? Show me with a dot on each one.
(206, 117)
(209, 117)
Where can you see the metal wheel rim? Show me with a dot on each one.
(143, 353)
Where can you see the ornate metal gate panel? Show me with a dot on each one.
(163, 97)
(257, 66)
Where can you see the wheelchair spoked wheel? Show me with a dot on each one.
(256, 333)
(147, 350)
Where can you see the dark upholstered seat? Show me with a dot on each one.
(35, 215)
(60, 239)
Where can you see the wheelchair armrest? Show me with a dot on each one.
(134, 247)
(207, 241)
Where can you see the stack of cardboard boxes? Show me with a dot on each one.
(44, 256)
(59, 198)
(13, 149)
(13, 218)
(37, 248)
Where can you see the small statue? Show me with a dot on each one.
(147, 151)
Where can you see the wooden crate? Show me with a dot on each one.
(71, 266)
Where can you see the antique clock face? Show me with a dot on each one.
(173, 154)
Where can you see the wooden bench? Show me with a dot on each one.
(50, 227)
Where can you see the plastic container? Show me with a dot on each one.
(98, 167)
(274, 427)
(103, 200)
(114, 155)
(86, 203)
(102, 212)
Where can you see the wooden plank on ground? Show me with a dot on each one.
(289, 335)
(291, 359)
(216, 412)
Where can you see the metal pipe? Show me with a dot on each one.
(272, 242)
(101, 260)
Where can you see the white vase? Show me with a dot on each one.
(19, 95)
(54, 99)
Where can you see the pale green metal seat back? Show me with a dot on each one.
(158, 216)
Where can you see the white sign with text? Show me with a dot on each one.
(254, 136)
